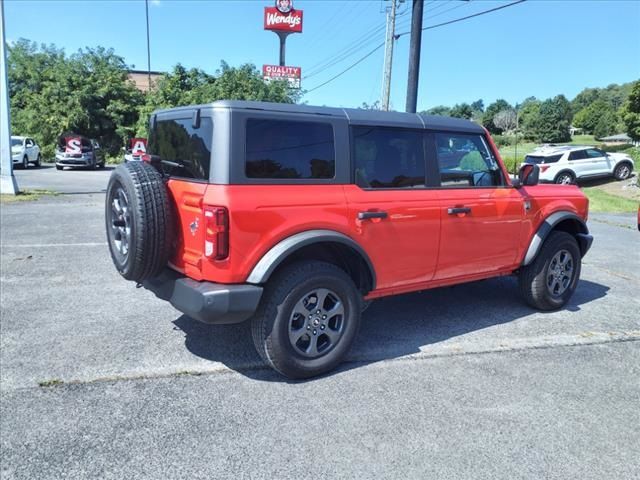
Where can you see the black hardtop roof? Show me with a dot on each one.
(355, 116)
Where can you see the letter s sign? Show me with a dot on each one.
(74, 145)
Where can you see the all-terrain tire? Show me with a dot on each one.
(272, 321)
(138, 211)
(534, 279)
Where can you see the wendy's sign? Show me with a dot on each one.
(283, 18)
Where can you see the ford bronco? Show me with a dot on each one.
(296, 216)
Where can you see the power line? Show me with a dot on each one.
(405, 33)
(356, 46)
(347, 69)
(467, 17)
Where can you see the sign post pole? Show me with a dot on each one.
(283, 44)
(8, 182)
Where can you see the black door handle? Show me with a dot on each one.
(370, 215)
(456, 210)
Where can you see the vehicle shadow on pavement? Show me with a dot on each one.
(392, 327)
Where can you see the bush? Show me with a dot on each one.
(504, 140)
(615, 148)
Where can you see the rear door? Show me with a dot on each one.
(185, 150)
(392, 213)
(481, 214)
(581, 163)
(599, 162)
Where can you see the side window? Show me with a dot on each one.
(595, 153)
(186, 151)
(465, 160)
(388, 157)
(578, 155)
(29, 142)
(289, 149)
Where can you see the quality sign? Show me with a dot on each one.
(278, 72)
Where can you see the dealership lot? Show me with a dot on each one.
(100, 379)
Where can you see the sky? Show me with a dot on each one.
(540, 48)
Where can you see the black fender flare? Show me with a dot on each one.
(279, 252)
(582, 236)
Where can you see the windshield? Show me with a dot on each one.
(16, 142)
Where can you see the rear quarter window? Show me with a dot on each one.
(176, 141)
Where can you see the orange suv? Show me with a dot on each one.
(296, 216)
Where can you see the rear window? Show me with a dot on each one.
(288, 149)
(536, 159)
(187, 148)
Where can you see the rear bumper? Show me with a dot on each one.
(213, 303)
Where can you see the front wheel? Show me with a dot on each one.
(307, 320)
(550, 280)
(38, 161)
(25, 162)
(58, 167)
(565, 178)
(622, 171)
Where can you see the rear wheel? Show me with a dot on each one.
(622, 171)
(307, 319)
(550, 280)
(565, 178)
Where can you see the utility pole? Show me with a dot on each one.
(146, 5)
(388, 54)
(414, 55)
(7, 179)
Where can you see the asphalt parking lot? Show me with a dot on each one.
(99, 379)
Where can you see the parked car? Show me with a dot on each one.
(25, 150)
(569, 163)
(73, 150)
(294, 216)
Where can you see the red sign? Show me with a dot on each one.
(73, 145)
(138, 146)
(282, 22)
(277, 72)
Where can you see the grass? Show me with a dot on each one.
(55, 382)
(600, 201)
(26, 196)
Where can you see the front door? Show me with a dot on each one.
(599, 162)
(392, 214)
(481, 215)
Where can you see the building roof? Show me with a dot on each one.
(353, 115)
(619, 136)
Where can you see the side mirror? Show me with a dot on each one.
(529, 174)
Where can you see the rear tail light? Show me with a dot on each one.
(216, 237)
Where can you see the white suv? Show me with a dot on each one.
(568, 163)
(25, 150)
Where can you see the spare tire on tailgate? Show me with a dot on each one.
(139, 221)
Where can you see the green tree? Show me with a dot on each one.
(630, 112)
(607, 124)
(590, 116)
(461, 110)
(87, 92)
(491, 111)
(441, 110)
(194, 86)
(550, 123)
